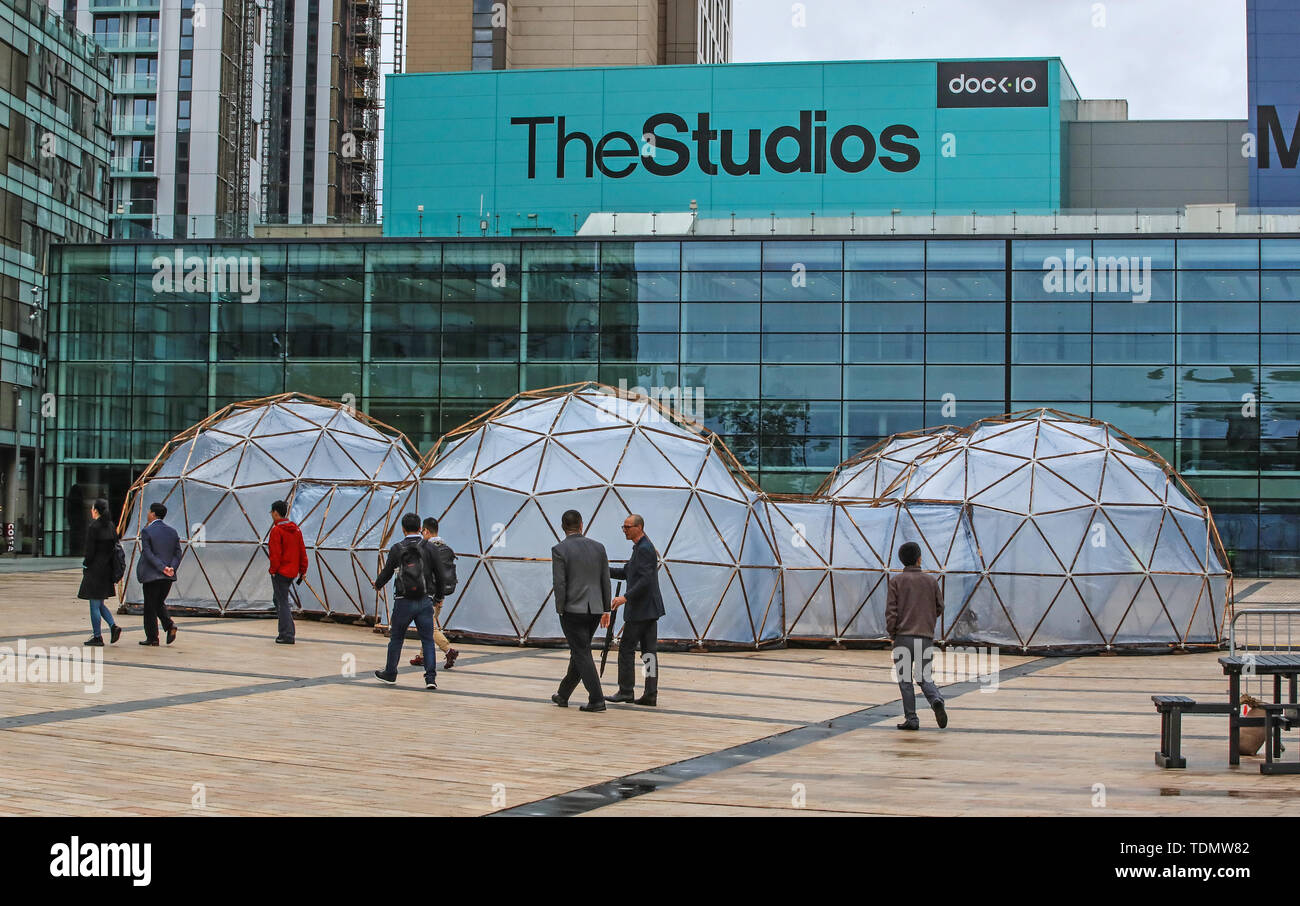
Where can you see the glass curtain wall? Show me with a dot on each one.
(799, 352)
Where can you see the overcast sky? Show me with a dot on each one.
(1171, 59)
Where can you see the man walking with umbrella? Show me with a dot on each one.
(645, 605)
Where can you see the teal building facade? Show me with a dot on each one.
(537, 151)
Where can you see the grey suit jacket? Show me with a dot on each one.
(580, 571)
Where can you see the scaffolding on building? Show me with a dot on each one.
(367, 42)
(398, 18)
(392, 61)
(249, 35)
(356, 151)
(275, 59)
(235, 106)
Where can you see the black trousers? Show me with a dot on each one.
(155, 607)
(578, 629)
(643, 633)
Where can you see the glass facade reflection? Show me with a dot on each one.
(54, 165)
(804, 351)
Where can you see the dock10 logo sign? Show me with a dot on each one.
(993, 83)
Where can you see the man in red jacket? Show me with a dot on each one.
(288, 559)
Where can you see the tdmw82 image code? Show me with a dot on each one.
(1175, 848)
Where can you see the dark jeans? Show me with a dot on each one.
(96, 609)
(578, 630)
(280, 594)
(646, 634)
(155, 607)
(405, 612)
(912, 651)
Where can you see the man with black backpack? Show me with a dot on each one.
(444, 559)
(411, 566)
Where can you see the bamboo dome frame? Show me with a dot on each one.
(318, 573)
(853, 467)
(962, 443)
(746, 491)
(350, 522)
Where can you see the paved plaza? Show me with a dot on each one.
(224, 722)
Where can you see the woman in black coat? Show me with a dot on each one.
(97, 576)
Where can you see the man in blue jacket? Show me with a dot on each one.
(645, 605)
(160, 554)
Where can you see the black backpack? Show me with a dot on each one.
(410, 573)
(119, 562)
(445, 558)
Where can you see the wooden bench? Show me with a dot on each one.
(1278, 666)
(1277, 717)
(1172, 708)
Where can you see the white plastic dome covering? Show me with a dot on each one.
(867, 475)
(837, 557)
(1045, 529)
(1088, 537)
(501, 484)
(219, 479)
(344, 527)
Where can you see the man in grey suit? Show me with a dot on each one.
(580, 572)
(160, 554)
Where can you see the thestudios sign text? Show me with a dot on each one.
(809, 147)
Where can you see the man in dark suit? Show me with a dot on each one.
(645, 605)
(160, 554)
(580, 574)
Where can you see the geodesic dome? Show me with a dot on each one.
(1046, 530)
(219, 478)
(343, 525)
(499, 484)
(1087, 537)
(837, 557)
(867, 475)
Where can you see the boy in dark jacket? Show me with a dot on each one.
(440, 548)
(288, 554)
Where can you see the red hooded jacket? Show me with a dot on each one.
(288, 552)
